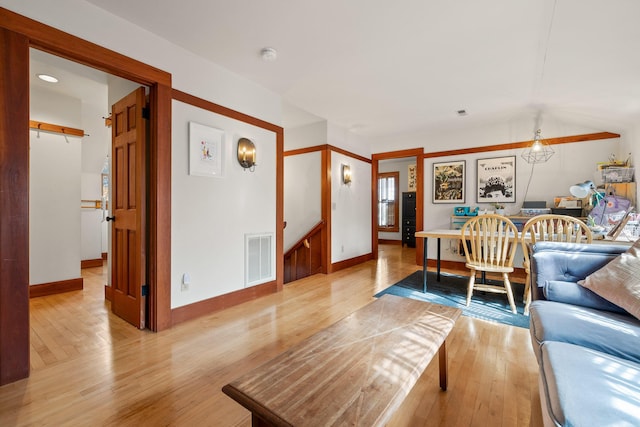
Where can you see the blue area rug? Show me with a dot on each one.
(452, 291)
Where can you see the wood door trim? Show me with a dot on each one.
(14, 199)
(222, 110)
(524, 144)
(65, 45)
(326, 147)
(418, 153)
(18, 34)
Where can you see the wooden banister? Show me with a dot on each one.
(316, 229)
(305, 257)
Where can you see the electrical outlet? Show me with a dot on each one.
(186, 281)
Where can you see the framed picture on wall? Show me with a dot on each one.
(449, 182)
(206, 150)
(497, 179)
(412, 174)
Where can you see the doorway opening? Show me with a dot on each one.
(70, 176)
(407, 167)
(18, 35)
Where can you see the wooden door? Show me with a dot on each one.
(128, 266)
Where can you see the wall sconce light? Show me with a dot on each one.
(247, 154)
(346, 174)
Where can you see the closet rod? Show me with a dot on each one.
(48, 127)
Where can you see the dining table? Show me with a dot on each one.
(447, 233)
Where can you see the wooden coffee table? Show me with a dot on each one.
(355, 372)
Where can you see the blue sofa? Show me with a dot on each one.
(588, 349)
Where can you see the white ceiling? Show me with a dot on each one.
(380, 67)
(74, 80)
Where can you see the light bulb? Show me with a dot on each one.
(537, 145)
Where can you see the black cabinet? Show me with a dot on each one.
(409, 219)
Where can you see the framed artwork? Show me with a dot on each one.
(206, 150)
(497, 180)
(449, 182)
(412, 174)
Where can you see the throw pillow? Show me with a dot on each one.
(619, 281)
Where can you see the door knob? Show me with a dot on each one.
(111, 218)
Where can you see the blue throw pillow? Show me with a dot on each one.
(573, 293)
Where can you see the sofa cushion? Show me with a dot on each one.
(612, 333)
(572, 293)
(583, 387)
(619, 280)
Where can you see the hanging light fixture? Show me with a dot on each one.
(539, 152)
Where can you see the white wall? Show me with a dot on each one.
(210, 216)
(302, 195)
(96, 146)
(190, 73)
(340, 137)
(91, 219)
(351, 204)
(305, 136)
(571, 163)
(302, 181)
(54, 190)
(350, 209)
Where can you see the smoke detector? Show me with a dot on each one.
(268, 54)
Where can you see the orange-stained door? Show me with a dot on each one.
(128, 249)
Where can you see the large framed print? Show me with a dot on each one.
(449, 182)
(497, 180)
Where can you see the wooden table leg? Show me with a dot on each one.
(256, 421)
(442, 355)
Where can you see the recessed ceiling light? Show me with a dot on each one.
(269, 54)
(47, 78)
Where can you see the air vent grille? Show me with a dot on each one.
(259, 259)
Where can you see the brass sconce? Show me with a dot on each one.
(346, 174)
(247, 154)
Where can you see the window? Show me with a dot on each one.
(388, 206)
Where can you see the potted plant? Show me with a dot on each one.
(499, 208)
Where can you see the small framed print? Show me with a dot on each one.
(497, 179)
(412, 174)
(206, 150)
(449, 182)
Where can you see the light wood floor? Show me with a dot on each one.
(89, 368)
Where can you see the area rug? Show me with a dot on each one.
(452, 291)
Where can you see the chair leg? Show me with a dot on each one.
(527, 294)
(507, 285)
(472, 281)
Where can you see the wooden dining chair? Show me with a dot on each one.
(490, 245)
(557, 228)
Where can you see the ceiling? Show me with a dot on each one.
(74, 80)
(380, 68)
